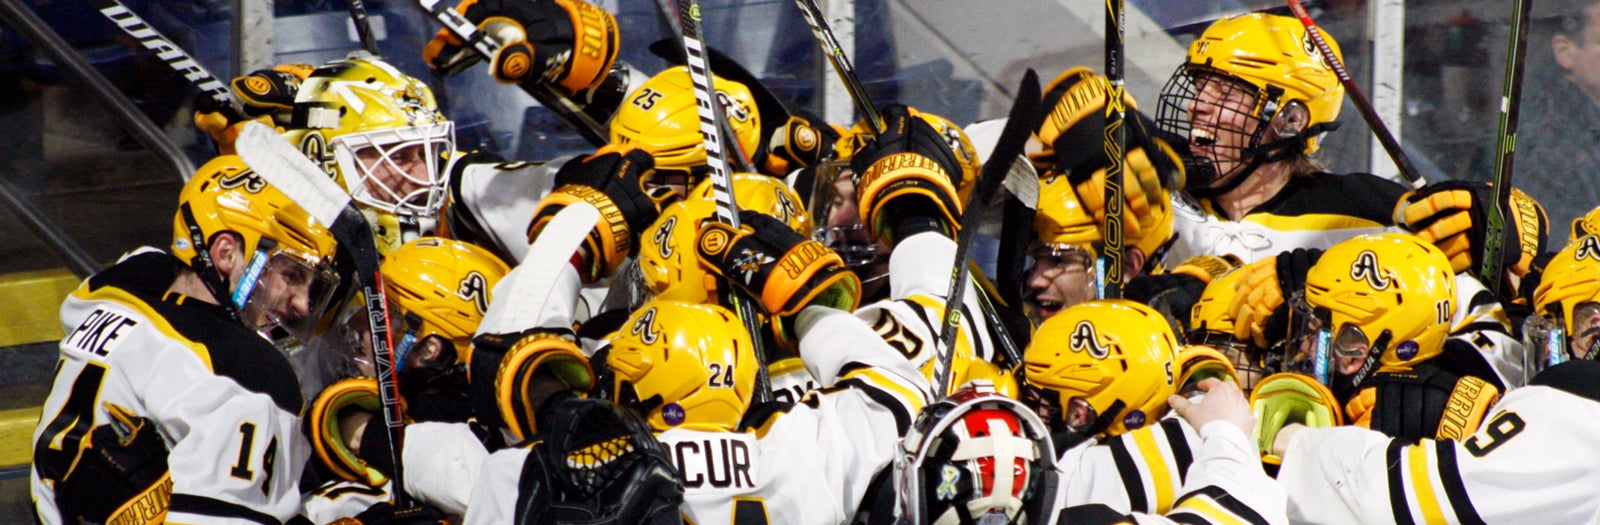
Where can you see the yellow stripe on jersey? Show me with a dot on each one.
(133, 302)
(785, 366)
(892, 385)
(1422, 484)
(1311, 222)
(1160, 473)
(1208, 509)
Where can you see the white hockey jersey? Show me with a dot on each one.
(1314, 211)
(1532, 461)
(811, 463)
(910, 319)
(223, 399)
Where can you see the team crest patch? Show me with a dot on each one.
(1406, 350)
(673, 414)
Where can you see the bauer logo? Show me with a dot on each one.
(1588, 248)
(1366, 269)
(1084, 339)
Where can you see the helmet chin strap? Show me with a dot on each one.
(1260, 155)
(206, 268)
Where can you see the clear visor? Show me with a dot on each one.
(283, 295)
(1060, 276)
(833, 204)
(1550, 344)
(397, 170)
(1309, 348)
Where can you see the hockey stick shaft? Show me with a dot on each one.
(841, 64)
(358, 16)
(1491, 270)
(712, 124)
(171, 54)
(1115, 144)
(487, 47)
(1013, 139)
(288, 169)
(1359, 98)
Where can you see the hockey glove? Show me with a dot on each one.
(266, 96)
(1285, 398)
(805, 140)
(344, 421)
(523, 371)
(1259, 311)
(783, 270)
(609, 180)
(1197, 363)
(568, 44)
(385, 513)
(598, 463)
(1454, 215)
(1074, 134)
(907, 178)
(120, 476)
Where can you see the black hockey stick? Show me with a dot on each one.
(487, 47)
(1023, 118)
(841, 64)
(288, 169)
(712, 124)
(358, 16)
(1491, 270)
(1385, 137)
(174, 56)
(1115, 144)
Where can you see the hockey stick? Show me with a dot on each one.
(1386, 138)
(288, 169)
(1491, 270)
(1021, 121)
(841, 64)
(487, 47)
(173, 55)
(712, 124)
(358, 16)
(1110, 262)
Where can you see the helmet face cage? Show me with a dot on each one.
(975, 457)
(396, 170)
(1220, 117)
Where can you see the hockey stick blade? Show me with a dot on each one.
(287, 168)
(1022, 182)
(171, 54)
(487, 47)
(521, 296)
(1024, 116)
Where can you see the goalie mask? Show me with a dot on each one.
(379, 132)
(438, 290)
(1101, 368)
(663, 118)
(975, 457)
(683, 366)
(287, 276)
(1372, 301)
(1254, 89)
(1566, 305)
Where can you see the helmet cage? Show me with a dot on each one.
(364, 154)
(1244, 124)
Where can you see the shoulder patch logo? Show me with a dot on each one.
(1588, 248)
(645, 327)
(1084, 339)
(474, 288)
(1366, 269)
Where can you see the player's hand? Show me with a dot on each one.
(1172, 294)
(610, 179)
(908, 174)
(783, 270)
(804, 141)
(1223, 402)
(514, 374)
(347, 435)
(568, 44)
(1259, 311)
(266, 96)
(1454, 216)
(1284, 400)
(120, 462)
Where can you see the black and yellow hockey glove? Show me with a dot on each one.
(568, 44)
(1259, 311)
(1454, 215)
(121, 475)
(265, 95)
(611, 181)
(347, 434)
(908, 174)
(804, 141)
(1284, 399)
(783, 270)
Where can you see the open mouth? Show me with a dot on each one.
(1048, 308)
(1201, 139)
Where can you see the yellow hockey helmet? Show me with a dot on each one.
(439, 288)
(277, 237)
(1390, 293)
(1588, 224)
(661, 117)
(1568, 300)
(684, 365)
(765, 194)
(378, 131)
(1276, 55)
(1102, 368)
(1062, 222)
(668, 264)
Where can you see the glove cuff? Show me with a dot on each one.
(906, 175)
(608, 244)
(328, 439)
(518, 392)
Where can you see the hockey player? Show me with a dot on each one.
(171, 401)
(1356, 475)
(1566, 306)
(1210, 325)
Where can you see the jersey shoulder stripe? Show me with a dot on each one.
(1092, 514)
(1178, 442)
(1398, 499)
(202, 506)
(1218, 505)
(899, 408)
(1132, 481)
(1159, 471)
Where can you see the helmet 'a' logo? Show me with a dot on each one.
(474, 288)
(1084, 339)
(646, 328)
(1588, 248)
(1366, 269)
(1309, 45)
(733, 108)
(244, 179)
(663, 235)
(787, 209)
